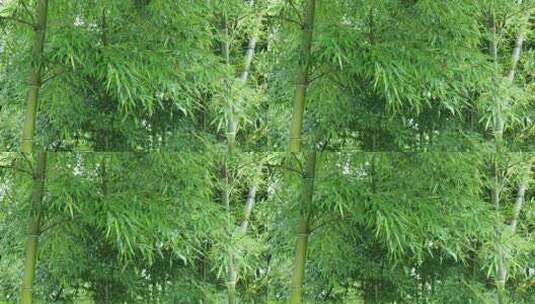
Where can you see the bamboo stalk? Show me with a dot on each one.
(516, 55)
(34, 80)
(34, 229)
(498, 137)
(232, 131)
(244, 75)
(519, 41)
(248, 59)
(231, 282)
(234, 269)
(249, 205)
(302, 78)
(298, 278)
(519, 202)
(520, 197)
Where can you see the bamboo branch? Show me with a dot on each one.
(296, 11)
(296, 22)
(335, 219)
(52, 225)
(28, 161)
(27, 10)
(16, 169)
(22, 21)
(283, 167)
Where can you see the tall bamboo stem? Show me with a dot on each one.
(501, 276)
(302, 78)
(298, 278)
(519, 202)
(34, 229)
(34, 81)
(232, 279)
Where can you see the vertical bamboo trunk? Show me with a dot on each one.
(249, 54)
(493, 51)
(498, 137)
(298, 278)
(302, 78)
(232, 130)
(520, 196)
(233, 266)
(234, 269)
(249, 205)
(248, 59)
(519, 202)
(34, 227)
(230, 284)
(34, 81)
(516, 55)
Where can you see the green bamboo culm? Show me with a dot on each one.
(501, 275)
(34, 228)
(296, 296)
(34, 80)
(302, 78)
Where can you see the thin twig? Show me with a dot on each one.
(59, 73)
(331, 220)
(19, 20)
(25, 7)
(28, 161)
(297, 12)
(317, 77)
(296, 22)
(16, 168)
(44, 229)
(298, 162)
(283, 167)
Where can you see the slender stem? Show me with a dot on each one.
(231, 138)
(302, 78)
(519, 41)
(27, 10)
(516, 55)
(22, 21)
(519, 202)
(34, 84)
(249, 205)
(34, 229)
(298, 278)
(249, 54)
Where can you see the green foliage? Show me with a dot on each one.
(415, 187)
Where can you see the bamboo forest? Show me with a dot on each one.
(267, 151)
